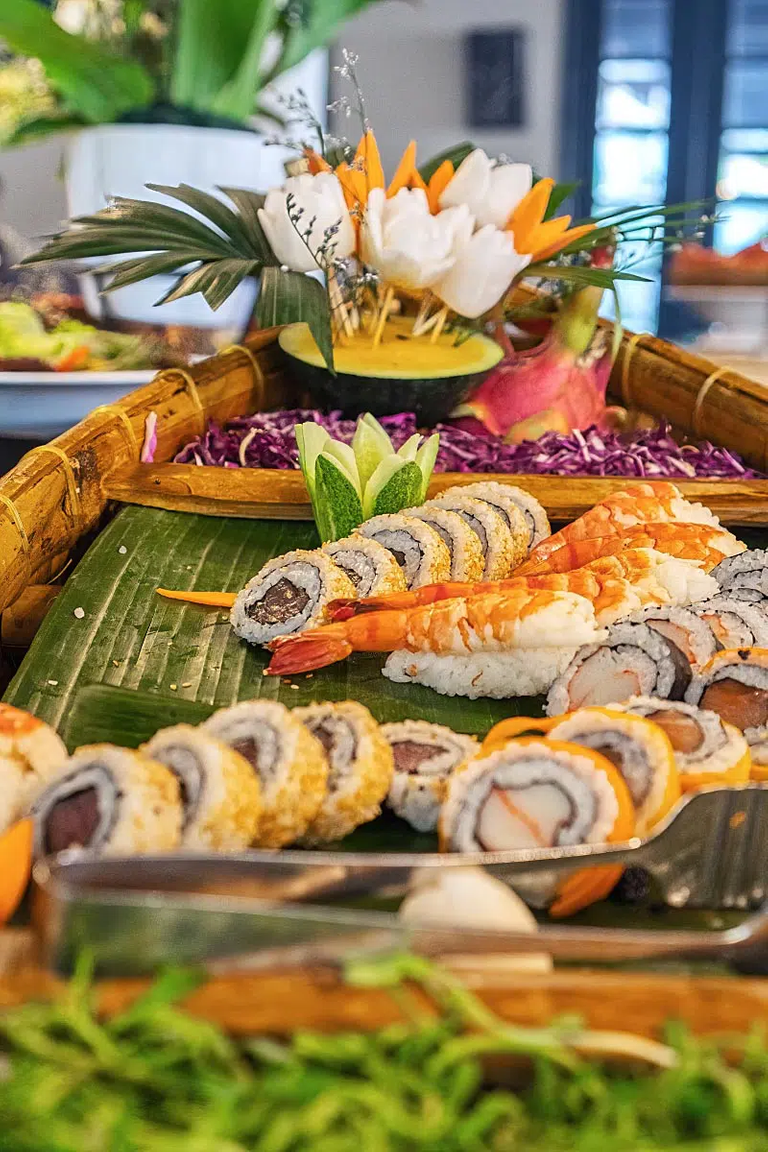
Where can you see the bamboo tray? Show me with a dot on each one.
(58, 495)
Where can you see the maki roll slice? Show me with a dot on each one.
(534, 793)
(735, 685)
(707, 750)
(505, 498)
(426, 756)
(369, 565)
(290, 593)
(640, 750)
(220, 792)
(113, 801)
(417, 548)
(467, 558)
(744, 576)
(361, 766)
(735, 623)
(684, 628)
(502, 550)
(635, 660)
(289, 763)
(31, 754)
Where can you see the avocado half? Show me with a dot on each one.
(401, 374)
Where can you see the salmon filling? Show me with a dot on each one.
(739, 704)
(72, 821)
(684, 733)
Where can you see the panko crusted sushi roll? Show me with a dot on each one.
(491, 675)
(467, 558)
(111, 800)
(369, 565)
(744, 575)
(220, 792)
(640, 750)
(426, 755)
(290, 764)
(707, 750)
(735, 685)
(361, 768)
(502, 549)
(535, 793)
(417, 548)
(735, 623)
(684, 628)
(31, 754)
(505, 498)
(635, 660)
(290, 593)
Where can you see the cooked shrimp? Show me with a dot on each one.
(637, 504)
(704, 542)
(519, 618)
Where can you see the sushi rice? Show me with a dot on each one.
(290, 593)
(31, 755)
(361, 766)
(425, 757)
(369, 565)
(417, 548)
(735, 685)
(220, 792)
(684, 628)
(506, 498)
(503, 548)
(735, 623)
(467, 559)
(495, 675)
(744, 576)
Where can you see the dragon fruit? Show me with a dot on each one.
(558, 386)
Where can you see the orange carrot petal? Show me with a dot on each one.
(529, 213)
(438, 183)
(210, 599)
(543, 235)
(404, 171)
(317, 163)
(562, 241)
(584, 888)
(353, 186)
(15, 867)
(368, 158)
(514, 727)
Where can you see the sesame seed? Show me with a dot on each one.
(295, 687)
(122, 549)
(53, 683)
(116, 663)
(173, 687)
(79, 613)
(188, 684)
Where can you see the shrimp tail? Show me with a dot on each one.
(308, 651)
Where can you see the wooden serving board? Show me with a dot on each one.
(318, 999)
(270, 494)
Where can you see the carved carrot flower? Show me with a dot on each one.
(533, 235)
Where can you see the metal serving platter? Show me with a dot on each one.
(709, 853)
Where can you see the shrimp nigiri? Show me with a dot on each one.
(642, 574)
(704, 542)
(637, 504)
(519, 618)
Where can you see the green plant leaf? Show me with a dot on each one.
(28, 131)
(248, 204)
(336, 504)
(560, 193)
(216, 281)
(578, 274)
(455, 154)
(396, 484)
(291, 297)
(237, 98)
(96, 84)
(218, 213)
(126, 272)
(316, 25)
(211, 39)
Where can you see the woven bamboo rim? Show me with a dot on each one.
(56, 493)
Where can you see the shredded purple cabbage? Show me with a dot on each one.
(267, 440)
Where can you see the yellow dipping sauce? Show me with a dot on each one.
(398, 355)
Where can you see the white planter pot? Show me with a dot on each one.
(121, 159)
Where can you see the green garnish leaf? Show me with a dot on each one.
(371, 445)
(336, 503)
(410, 448)
(396, 484)
(425, 458)
(311, 440)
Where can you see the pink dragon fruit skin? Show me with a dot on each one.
(557, 386)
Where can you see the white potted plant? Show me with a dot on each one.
(172, 93)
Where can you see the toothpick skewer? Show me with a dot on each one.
(442, 316)
(338, 305)
(388, 298)
(418, 324)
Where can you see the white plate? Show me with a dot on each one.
(41, 405)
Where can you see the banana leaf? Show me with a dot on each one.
(168, 656)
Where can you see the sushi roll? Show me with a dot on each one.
(635, 660)
(290, 593)
(31, 754)
(110, 800)
(535, 793)
(290, 764)
(640, 750)
(735, 623)
(707, 750)
(361, 768)
(492, 675)
(220, 792)
(735, 685)
(686, 630)
(745, 575)
(369, 565)
(417, 548)
(425, 755)
(502, 549)
(467, 558)
(505, 498)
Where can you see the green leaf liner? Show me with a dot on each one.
(336, 504)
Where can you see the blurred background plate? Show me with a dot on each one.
(41, 405)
